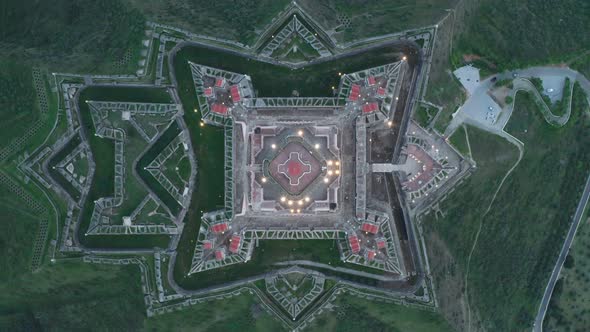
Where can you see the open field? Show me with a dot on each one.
(524, 229)
(18, 101)
(450, 236)
(508, 34)
(16, 237)
(352, 313)
(72, 294)
(238, 20)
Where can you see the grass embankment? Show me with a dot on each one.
(523, 231)
(104, 153)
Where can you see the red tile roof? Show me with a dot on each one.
(219, 228)
(208, 92)
(371, 255)
(235, 93)
(355, 246)
(370, 107)
(219, 109)
(235, 243)
(371, 80)
(381, 92)
(369, 227)
(207, 245)
(355, 91)
(381, 244)
(219, 82)
(219, 254)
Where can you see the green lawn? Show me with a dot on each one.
(424, 115)
(459, 140)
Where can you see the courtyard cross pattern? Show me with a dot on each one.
(294, 168)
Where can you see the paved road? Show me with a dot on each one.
(538, 325)
(471, 110)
